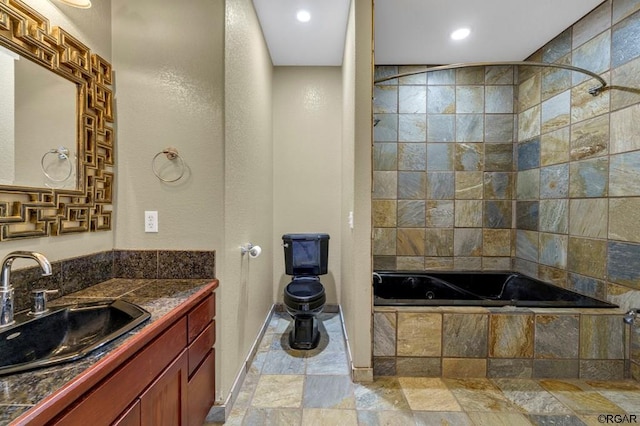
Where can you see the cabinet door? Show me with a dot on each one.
(108, 400)
(164, 403)
(131, 417)
(202, 390)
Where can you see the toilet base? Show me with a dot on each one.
(305, 334)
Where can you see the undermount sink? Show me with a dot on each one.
(65, 333)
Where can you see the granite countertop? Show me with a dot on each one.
(21, 391)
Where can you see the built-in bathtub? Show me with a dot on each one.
(492, 324)
(394, 288)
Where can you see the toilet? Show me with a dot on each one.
(305, 258)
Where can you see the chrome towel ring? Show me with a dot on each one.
(172, 155)
(63, 155)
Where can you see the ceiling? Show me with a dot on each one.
(417, 31)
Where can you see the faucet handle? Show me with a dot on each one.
(40, 300)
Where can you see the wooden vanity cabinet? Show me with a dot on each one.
(171, 381)
(201, 386)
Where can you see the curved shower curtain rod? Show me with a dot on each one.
(595, 91)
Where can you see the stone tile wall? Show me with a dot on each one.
(75, 274)
(578, 160)
(444, 177)
(458, 185)
(482, 342)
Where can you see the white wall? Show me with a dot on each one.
(307, 137)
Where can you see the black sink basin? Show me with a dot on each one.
(66, 333)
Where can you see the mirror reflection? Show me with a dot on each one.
(38, 127)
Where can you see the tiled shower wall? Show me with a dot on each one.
(444, 176)
(458, 185)
(578, 161)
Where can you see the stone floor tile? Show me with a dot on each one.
(381, 394)
(272, 416)
(328, 363)
(388, 418)
(279, 391)
(484, 400)
(499, 419)
(326, 416)
(587, 402)
(428, 394)
(328, 392)
(470, 384)
(556, 420)
(628, 401)
(281, 362)
(441, 418)
(531, 397)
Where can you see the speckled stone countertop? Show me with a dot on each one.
(21, 391)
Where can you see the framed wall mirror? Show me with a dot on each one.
(56, 129)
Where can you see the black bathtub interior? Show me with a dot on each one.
(411, 288)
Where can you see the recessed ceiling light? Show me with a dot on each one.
(460, 33)
(303, 16)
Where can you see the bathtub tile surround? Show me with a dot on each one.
(71, 275)
(499, 342)
(511, 336)
(464, 336)
(556, 167)
(547, 330)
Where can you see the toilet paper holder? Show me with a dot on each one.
(253, 250)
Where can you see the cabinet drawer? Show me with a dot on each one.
(200, 316)
(201, 346)
(201, 391)
(112, 396)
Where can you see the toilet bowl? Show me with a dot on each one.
(304, 297)
(304, 294)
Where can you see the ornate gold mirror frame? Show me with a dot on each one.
(40, 212)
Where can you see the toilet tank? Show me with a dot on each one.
(306, 254)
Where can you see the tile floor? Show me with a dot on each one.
(290, 387)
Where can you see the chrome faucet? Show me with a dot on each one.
(6, 291)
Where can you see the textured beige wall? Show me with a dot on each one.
(93, 28)
(358, 308)
(246, 291)
(347, 290)
(169, 92)
(307, 104)
(355, 295)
